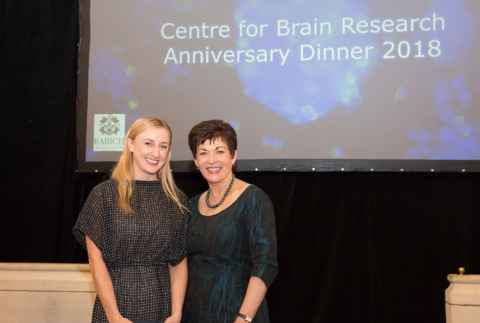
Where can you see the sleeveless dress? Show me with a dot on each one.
(136, 248)
(224, 250)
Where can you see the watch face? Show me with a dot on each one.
(245, 317)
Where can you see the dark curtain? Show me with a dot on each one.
(38, 44)
(353, 247)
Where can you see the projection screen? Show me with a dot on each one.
(308, 84)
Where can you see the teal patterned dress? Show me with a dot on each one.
(224, 251)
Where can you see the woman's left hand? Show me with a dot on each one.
(173, 319)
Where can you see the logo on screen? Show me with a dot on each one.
(108, 132)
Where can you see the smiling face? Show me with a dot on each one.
(150, 151)
(215, 161)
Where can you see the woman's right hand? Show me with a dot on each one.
(120, 319)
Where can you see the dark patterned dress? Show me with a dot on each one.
(136, 248)
(224, 251)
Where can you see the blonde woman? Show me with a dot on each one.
(133, 227)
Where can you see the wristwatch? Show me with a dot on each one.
(245, 317)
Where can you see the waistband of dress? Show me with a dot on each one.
(217, 261)
(137, 266)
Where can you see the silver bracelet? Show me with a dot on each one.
(245, 317)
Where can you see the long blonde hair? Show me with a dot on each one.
(123, 172)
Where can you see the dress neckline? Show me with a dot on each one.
(227, 208)
(145, 182)
(147, 186)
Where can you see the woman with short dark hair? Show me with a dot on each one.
(231, 240)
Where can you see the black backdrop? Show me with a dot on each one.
(353, 247)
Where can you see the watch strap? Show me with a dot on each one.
(245, 317)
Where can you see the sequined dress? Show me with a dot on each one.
(136, 248)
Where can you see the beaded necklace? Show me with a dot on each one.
(214, 206)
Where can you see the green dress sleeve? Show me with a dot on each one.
(262, 238)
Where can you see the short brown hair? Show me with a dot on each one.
(212, 129)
